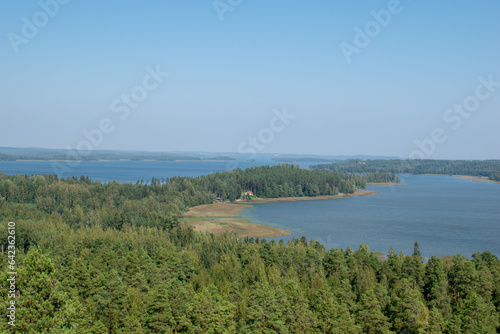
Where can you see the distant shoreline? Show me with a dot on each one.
(474, 178)
(74, 161)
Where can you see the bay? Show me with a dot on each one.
(447, 216)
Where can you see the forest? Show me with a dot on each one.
(381, 177)
(112, 258)
(488, 168)
(158, 202)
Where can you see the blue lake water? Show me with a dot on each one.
(446, 216)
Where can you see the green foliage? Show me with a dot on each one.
(489, 168)
(115, 261)
(381, 177)
(81, 202)
(144, 280)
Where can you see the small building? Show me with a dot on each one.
(249, 193)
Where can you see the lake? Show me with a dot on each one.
(446, 216)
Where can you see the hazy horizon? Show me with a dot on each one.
(383, 78)
(234, 153)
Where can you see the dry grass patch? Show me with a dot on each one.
(242, 227)
(216, 210)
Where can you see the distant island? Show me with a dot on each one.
(39, 154)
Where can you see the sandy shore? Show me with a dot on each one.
(474, 178)
(305, 198)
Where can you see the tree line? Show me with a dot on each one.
(381, 177)
(488, 168)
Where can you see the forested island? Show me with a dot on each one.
(113, 257)
(484, 168)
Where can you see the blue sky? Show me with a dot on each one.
(226, 78)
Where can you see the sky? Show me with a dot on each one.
(417, 79)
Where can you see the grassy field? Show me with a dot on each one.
(216, 210)
(242, 227)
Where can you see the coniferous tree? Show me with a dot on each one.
(40, 305)
(370, 316)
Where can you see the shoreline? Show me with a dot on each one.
(308, 198)
(219, 218)
(474, 178)
(384, 184)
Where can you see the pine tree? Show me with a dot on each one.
(478, 316)
(212, 313)
(408, 311)
(436, 287)
(159, 309)
(333, 316)
(370, 316)
(266, 310)
(40, 297)
(299, 318)
(168, 307)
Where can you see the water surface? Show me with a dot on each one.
(446, 216)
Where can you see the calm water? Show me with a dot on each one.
(446, 216)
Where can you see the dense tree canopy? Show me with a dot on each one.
(145, 280)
